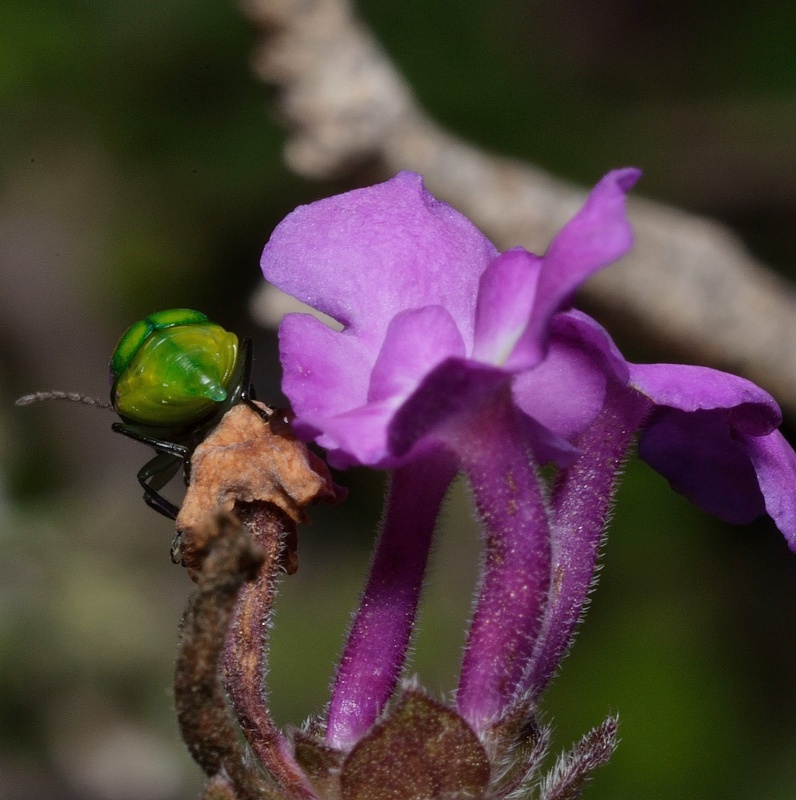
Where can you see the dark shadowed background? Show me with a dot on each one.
(140, 169)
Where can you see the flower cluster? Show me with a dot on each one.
(456, 358)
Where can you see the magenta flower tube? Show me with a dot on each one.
(379, 638)
(510, 498)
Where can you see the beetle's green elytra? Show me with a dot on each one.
(137, 333)
(174, 376)
(172, 368)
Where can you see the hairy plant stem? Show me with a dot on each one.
(245, 651)
(379, 637)
(202, 714)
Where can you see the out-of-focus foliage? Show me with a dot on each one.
(140, 168)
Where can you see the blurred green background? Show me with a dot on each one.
(140, 169)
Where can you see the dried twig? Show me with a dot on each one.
(252, 466)
(205, 723)
(690, 286)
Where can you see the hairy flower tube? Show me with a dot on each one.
(456, 358)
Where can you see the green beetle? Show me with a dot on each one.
(174, 374)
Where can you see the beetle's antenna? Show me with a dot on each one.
(72, 397)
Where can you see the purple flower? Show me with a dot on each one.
(456, 358)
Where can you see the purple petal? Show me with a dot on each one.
(326, 377)
(325, 372)
(363, 256)
(505, 300)
(565, 391)
(695, 452)
(415, 342)
(454, 396)
(750, 410)
(713, 437)
(451, 396)
(547, 446)
(775, 463)
(594, 339)
(355, 437)
(595, 237)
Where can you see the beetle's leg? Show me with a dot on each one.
(162, 446)
(154, 475)
(264, 414)
(176, 548)
(247, 392)
(157, 472)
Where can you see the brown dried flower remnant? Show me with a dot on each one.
(251, 457)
